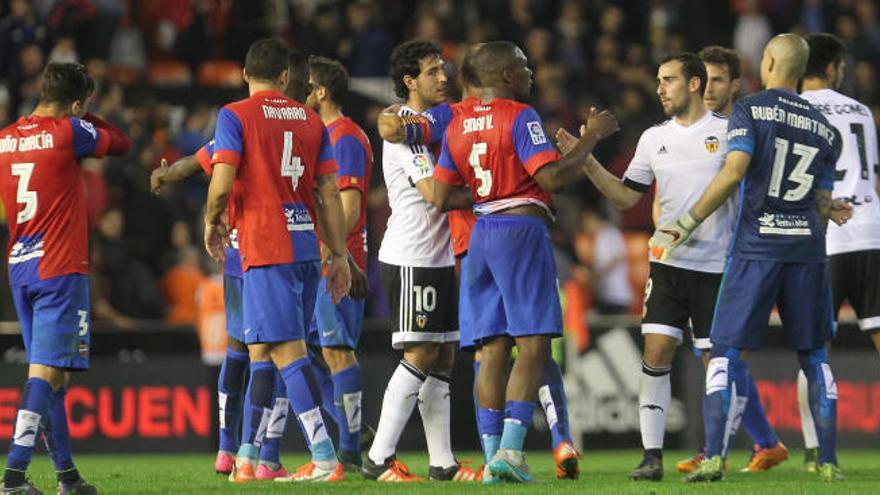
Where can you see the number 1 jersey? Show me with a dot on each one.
(793, 152)
(42, 190)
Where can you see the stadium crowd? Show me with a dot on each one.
(146, 251)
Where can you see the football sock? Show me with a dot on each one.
(739, 401)
(269, 454)
(261, 385)
(34, 405)
(654, 398)
(304, 395)
(811, 440)
(347, 394)
(553, 400)
(721, 406)
(490, 423)
(325, 384)
(517, 419)
(57, 434)
(822, 394)
(230, 385)
(401, 396)
(434, 406)
(754, 418)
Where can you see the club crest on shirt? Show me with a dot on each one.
(421, 161)
(421, 320)
(711, 143)
(536, 132)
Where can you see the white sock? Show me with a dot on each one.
(654, 398)
(811, 440)
(397, 406)
(434, 407)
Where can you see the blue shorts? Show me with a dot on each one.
(54, 318)
(232, 302)
(508, 283)
(279, 301)
(749, 288)
(336, 325)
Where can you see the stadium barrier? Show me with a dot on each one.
(149, 391)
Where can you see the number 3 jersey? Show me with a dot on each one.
(279, 147)
(793, 152)
(856, 175)
(42, 190)
(494, 149)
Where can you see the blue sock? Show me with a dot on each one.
(716, 404)
(754, 419)
(303, 392)
(34, 406)
(490, 425)
(553, 400)
(229, 395)
(269, 451)
(518, 418)
(325, 384)
(347, 394)
(57, 432)
(822, 391)
(260, 403)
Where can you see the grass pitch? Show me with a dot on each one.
(602, 472)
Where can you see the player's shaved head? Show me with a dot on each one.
(791, 53)
(469, 76)
(492, 58)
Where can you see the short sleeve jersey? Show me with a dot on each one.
(353, 154)
(233, 258)
(494, 149)
(683, 161)
(793, 152)
(279, 147)
(42, 191)
(856, 176)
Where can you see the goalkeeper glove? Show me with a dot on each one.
(669, 237)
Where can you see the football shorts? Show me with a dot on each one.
(336, 325)
(855, 277)
(424, 304)
(232, 304)
(675, 297)
(279, 301)
(54, 316)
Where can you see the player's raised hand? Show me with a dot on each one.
(601, 124)
(358, 281)
(841, 211)
(216, 236)
(669, 237)
(338, 278)
(158, 176)
(565, 141)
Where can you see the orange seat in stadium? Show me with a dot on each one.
(169, 74)
(123, 74)
(220, 73)
(637, 257)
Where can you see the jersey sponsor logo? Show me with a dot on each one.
(88, 127)
(735, 133)
(536, 132)
(783, 224)
(298, 217)
(712, 144)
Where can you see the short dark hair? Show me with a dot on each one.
(691, 67)
(298, 82)
(405, 62)
(825, 48)
(65, 83)
(721, 55)
(266, 59)
(331, 74)
(469, 76)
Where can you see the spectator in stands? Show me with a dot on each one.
(600, 248)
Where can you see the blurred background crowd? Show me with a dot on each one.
(163, 68)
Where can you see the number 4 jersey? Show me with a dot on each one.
(41, 186)
(856, 175)
(793, 152)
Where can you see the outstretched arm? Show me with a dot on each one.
(181, 169)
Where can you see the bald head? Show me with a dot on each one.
(790, 54)
(502, 66)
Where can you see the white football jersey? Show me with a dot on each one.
(417, 233)
(856, 175)
(683, 161)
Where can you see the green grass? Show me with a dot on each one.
(603, 472)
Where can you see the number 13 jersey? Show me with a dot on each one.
(856, 175)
